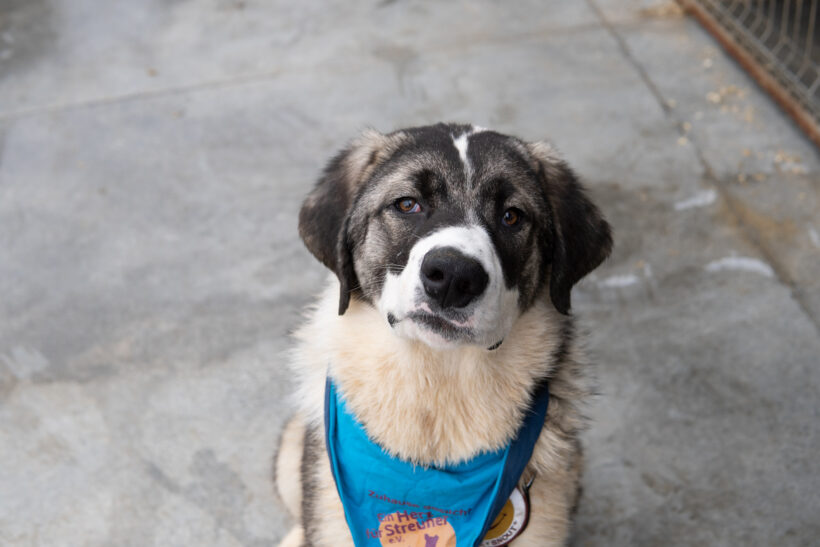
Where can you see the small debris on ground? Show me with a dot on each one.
(788, 163)
(726, 92)
(665, 8)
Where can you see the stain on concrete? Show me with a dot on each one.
(700, 199)
(218, 489)
(740, 264)
(27, 34)
(765, 225)
(24, 362)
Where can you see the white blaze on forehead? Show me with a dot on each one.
(461, 143)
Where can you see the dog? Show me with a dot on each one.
(454, 250)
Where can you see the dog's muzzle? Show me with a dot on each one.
(451, 278)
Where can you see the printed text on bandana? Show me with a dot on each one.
(419, 525)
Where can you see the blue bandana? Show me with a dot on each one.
(388, 501)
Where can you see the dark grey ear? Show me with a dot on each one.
(581, 238)
(324, 217)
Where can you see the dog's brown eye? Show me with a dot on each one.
(408, 205)
(511, 217)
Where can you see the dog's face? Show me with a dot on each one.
(451, 231)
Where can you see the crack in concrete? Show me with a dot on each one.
(732, 204)
(472, 40)
(137, 95)
(195, 494)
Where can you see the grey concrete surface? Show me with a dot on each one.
(153, 156)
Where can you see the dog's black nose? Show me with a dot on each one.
(451, 278)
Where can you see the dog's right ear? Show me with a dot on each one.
(324, 217)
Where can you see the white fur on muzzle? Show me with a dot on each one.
(485, 321)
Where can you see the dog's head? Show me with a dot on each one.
(452, 231)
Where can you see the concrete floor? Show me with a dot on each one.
(153, 156)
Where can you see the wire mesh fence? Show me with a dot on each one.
(782, 37)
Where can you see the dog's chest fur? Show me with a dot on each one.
(433, 407)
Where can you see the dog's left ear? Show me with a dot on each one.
(325, 214)
(581, 238)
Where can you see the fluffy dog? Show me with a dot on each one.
(454, 250)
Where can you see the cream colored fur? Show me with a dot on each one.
(435, 406)
(295, 538)
(288, 464)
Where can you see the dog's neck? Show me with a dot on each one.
(439, 406)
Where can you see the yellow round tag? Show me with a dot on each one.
(510, 522)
